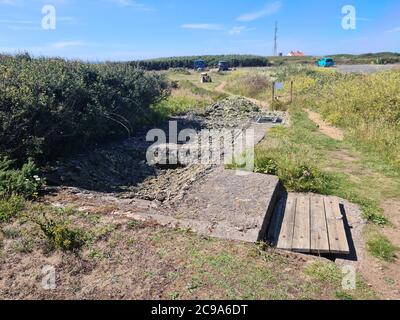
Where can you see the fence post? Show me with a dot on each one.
(273, 92)
(291, 91)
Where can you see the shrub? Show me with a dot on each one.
(22, 182)
(50, 106)
(10, 207)
(60, 236)
(303, 177)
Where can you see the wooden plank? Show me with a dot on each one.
(302, 232)
(286, 234)
(319, 229)
(336, 229)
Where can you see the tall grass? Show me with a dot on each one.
(366, 106)
(186, 97)
(253, 84)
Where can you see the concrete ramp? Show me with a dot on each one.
(236, 207)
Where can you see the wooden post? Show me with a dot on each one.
(291, 91)
(273, 92)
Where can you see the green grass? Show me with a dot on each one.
(190, 95)
(299, 155)
(380, 247)
(331, 275)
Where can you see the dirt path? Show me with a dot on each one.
(221, 88)
(385, 277)
(324, 127)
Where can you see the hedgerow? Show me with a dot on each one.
(212, 62)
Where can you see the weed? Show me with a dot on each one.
(132, 225)
(60, 236)
(96, 254)
(380, 247)
(342, 295)
(325, 272)
(11, 233)
(11, 207)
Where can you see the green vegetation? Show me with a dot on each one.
(24, 182)
(249, 84)
(260, 61)
(368, 107)
(212, 62)
(185, 97)
(60, 236)
(10, 207)
(368, 58)
(50, 106)
(380, 247)
(330, 274)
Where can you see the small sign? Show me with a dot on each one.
(279, 85)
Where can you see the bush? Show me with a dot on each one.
(10, 207)
(22, 182)
(50, 106)
(60, 236)
(303, 177)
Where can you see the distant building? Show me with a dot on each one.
(296, 54)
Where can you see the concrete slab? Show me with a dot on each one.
(236, 207)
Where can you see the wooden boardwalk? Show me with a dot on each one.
(311, 224)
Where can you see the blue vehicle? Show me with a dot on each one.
(199, 65)
(223, 66)
(326, 63)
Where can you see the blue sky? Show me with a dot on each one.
(99, 30)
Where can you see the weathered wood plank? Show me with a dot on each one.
(286, 235)
(319, 229)
(302, 233)
(336, 229)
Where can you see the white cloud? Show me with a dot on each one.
(132, 3)
(10, 2)
(203, 26)
(238, 30)
(269, 9)
(394, 30)
(67, 44)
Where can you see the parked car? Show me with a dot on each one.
(223, 66)
(200, 65)
(326, 62)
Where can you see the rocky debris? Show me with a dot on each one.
(171, 186)
(122, 169)
(236, 112)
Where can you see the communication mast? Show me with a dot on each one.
(276, 39)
